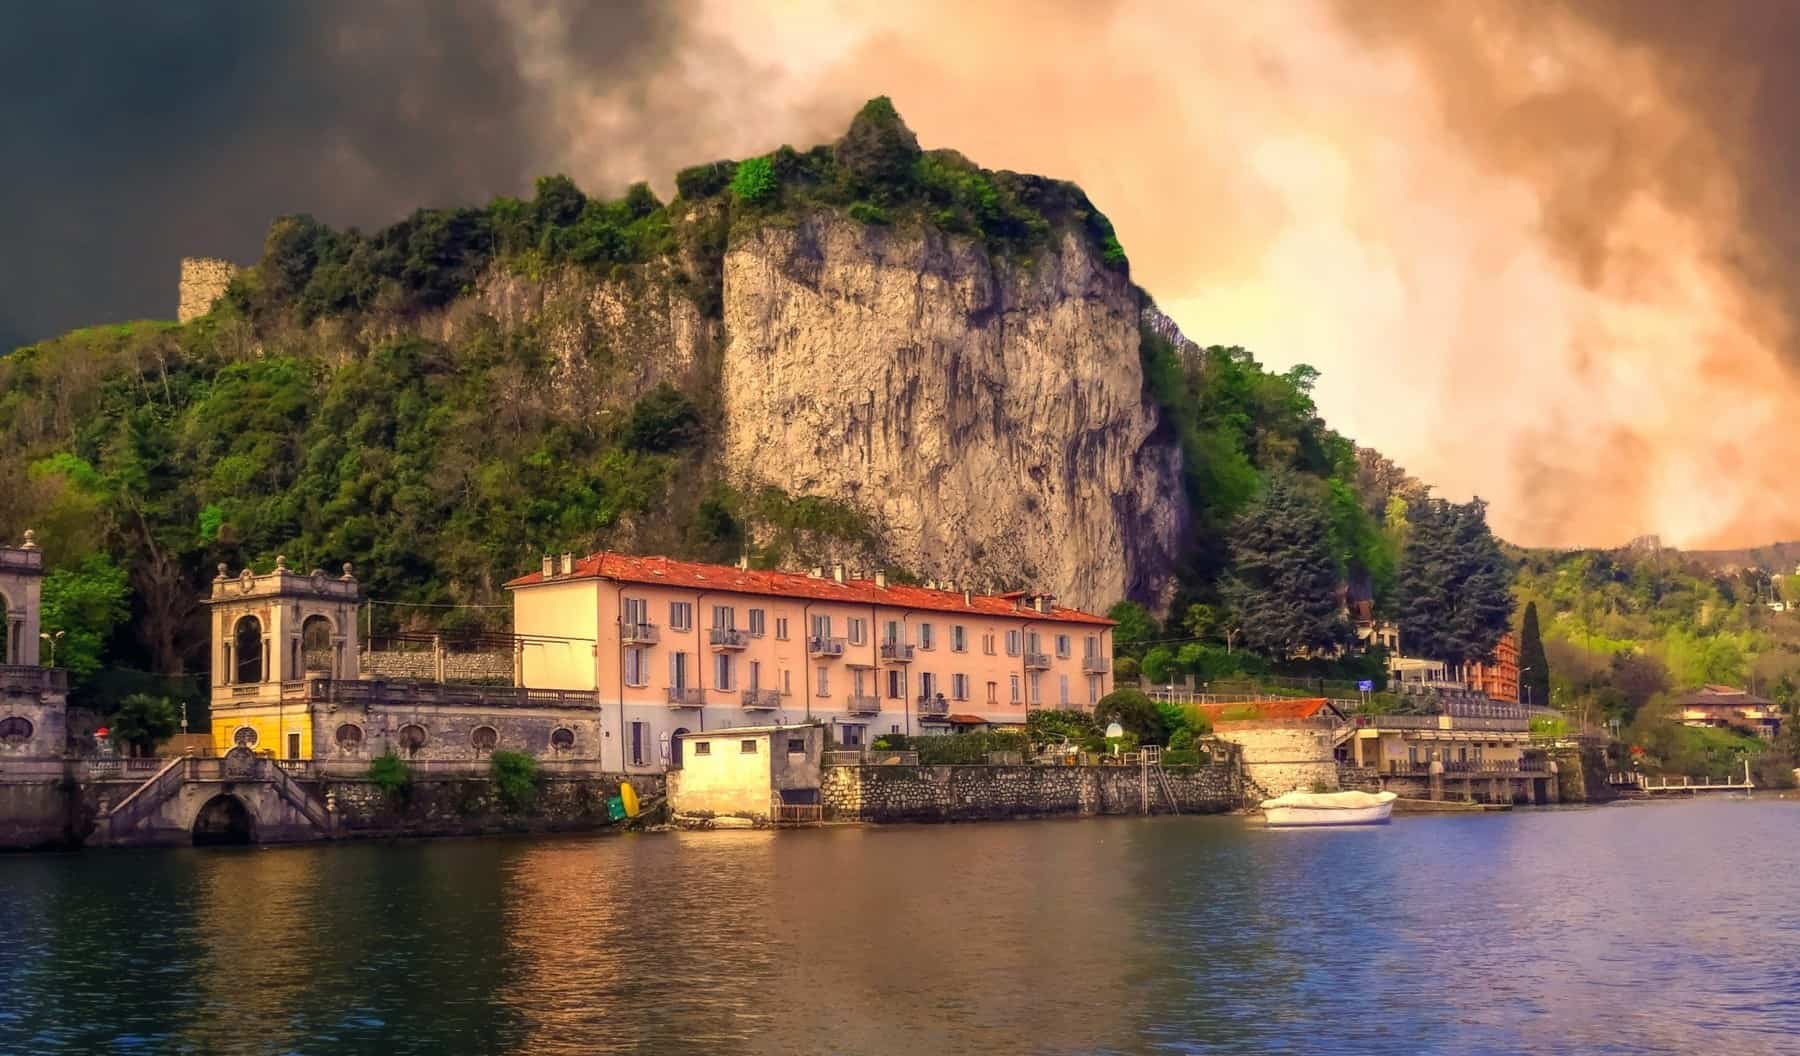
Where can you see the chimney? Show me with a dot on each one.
(968, 596)
(837, 572)
(743, 562)
(549, 566)
(568, 564)
(1045, 602)
(818, 572)
(881, 578)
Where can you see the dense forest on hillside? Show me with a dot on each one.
(324, 412)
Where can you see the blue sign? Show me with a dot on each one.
(1367, 685)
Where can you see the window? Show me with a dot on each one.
(1062, 646)
(293, 746)
(678, 670)
(856, 680)
(681, 616)
(1012, 643)
(1031, 642)
(412, 738)
(349, 738)
(702, 747)
(1091, 647)
(1062, 691)
(993, 696)
(959, 638)
(1093, 690)
(247, 642)
(781, 632)
(637, 612)
(562, 738)
(722, 672)
(640, 744)
(895, 728)
(755, 675)
(787, 681)
(896, 687)
(757, 622)
(1014, 679)
(796, 746)
(245, 737)
(927, 685)
(959, 687)
(924, 635)
(746, 747)
(850, 734)
(821, 628)
(893, 635)
(637, 668)
(483, 738)
(859, 631)
(987, 644)
(724, 618)
(1037, 687)
(824, 681)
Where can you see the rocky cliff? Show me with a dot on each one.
(990, 413)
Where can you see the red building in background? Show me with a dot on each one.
(1500, 679)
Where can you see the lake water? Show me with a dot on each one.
(1630, 928)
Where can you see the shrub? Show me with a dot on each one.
(1135, 712)
(1046, 727)
(703, 181)
(868, 213)
(515, 777)
(391, 774)
(663, 420)
(1182, 757)
(754, 181)
(1181, 740)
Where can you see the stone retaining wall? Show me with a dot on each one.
(1280, 757)
(421, 665)
(470, 806)
(976, 793)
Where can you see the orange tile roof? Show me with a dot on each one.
(663, 571)
(1269, 710)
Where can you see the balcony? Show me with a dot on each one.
(825, 648)
(1096, 665)
(638, 634)
(935, 704)
(762, 699)
(686, 697)
(1037, 661)
(23, 678)
(896, 652)
(724, 638)
(858, 704)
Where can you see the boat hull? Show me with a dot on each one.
(1307, 817)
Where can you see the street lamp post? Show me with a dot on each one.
(51, 640)
(1526, 686)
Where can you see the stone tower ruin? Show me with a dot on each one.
(203, 282)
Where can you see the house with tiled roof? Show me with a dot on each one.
(677, 647)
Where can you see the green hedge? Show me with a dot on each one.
(953, 749)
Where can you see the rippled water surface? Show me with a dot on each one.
(1627, 929)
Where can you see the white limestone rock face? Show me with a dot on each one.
(989, 413)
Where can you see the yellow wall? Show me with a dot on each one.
(558, 611)
(726, 780)
(272, 725)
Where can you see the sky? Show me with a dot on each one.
(1536, 247)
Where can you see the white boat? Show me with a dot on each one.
(1328, 808)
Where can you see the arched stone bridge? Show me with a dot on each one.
(240, 797)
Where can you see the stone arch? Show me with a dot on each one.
(15, 729)
(675, 746)
(349, 738)
(247, 647)
(222, 820)
(11, 650)
(318, 650)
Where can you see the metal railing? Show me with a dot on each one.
(1037, 661)
(935, 704)
(686, 697)
(639, 634)
(1096, 665)
(862, 704)
(728, 638)
(897, 652)
(762, 698)
(825, 648)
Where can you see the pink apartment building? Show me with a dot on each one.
(681, 647)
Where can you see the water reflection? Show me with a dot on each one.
(1622, 929)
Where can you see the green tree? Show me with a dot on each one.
(82, 605)
(1284, 578)
(1135, 712)
(142, 720)
(1159, 663)
(1453, 591)
(1134, 628)
(1533, 663)
(754, 181)
(1050, 726)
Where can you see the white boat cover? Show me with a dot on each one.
(1330, 800)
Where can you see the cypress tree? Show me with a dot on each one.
(1284, 579)
(1534, 680)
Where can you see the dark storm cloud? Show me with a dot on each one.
(139, 133)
